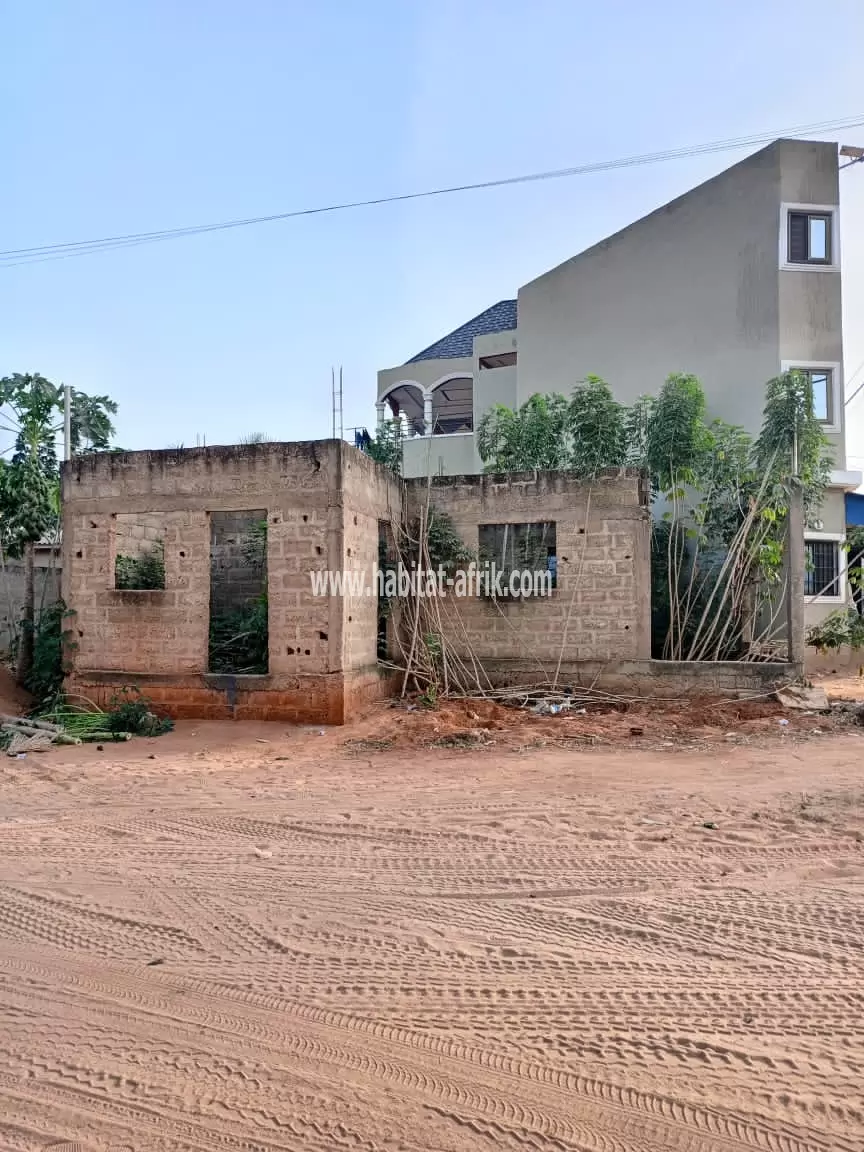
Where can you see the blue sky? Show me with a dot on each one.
(121, 117)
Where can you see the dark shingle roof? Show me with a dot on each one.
(501, 317)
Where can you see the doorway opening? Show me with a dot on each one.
(239, 633)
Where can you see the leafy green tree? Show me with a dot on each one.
(637, 420)
(91, 426)
(597, 427)
(792, 449)
(386, 447)
(499, 440)
(31, 410)
(717, 551)
(677, 438)
(724, 479)
(533, 436)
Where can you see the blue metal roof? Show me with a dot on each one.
(501, 317)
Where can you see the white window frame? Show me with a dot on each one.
(836, 370)
(831, 210)
(840, 539)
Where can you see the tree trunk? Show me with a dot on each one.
(748, 615)
(25, 650)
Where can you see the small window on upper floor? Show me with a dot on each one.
(809, 238)
(499, 360)
(823, 393)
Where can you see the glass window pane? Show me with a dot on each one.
(821, 395)
(818, 238)
(798, 232)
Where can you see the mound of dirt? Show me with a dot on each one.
(454, 723)
(14, 700)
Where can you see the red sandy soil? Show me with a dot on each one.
(842, 686)
(14, 700)
(405, 724)
(249, 938)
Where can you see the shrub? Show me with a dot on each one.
(845, 626)
(129, 711)
(51, 641)
(138, 573)
(239, 639)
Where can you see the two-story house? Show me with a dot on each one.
(735, 281)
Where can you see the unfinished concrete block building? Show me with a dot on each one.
(175, 561)
(322, 503)
(599, 536)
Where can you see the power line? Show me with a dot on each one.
(13, 257)
(849, 399)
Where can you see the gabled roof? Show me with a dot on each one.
(501, 317)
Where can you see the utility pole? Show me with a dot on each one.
(795, 570)
(795, 564)
(67, 422)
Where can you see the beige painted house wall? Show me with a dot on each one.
(452, 455)
(696, 286)
(701, 286)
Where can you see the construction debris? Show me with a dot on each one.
(40, 742)
(28, 735)
(803, 698)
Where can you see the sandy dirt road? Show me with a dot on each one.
(247, 945)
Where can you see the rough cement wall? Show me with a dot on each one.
(454, 454)
(138, 534)
(370, 495)
(162, 635)
(324, 503)
(660, 679)
(46, 579)
(162, 630)
(603, 594)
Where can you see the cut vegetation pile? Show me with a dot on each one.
(128, 715)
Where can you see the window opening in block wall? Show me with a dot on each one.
(239, 633)
(139, 551)
(519, 548)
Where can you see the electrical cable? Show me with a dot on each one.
(12, 257)
(849, 399)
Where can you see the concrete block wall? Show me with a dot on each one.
(46, 580)
(601, 607)
(325, 503)
(156, 631)
(137, 534)
(158, 639)
(656, 679)
(372, 496)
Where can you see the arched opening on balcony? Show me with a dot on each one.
(453, 405)
(405, 402)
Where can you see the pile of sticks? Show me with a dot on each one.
(29, 735)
